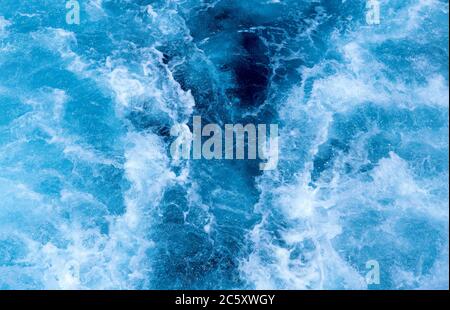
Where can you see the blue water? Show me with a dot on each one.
(91, 199)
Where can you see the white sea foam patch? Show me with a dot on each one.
(145, 85)
(362, 79)
(23, 214)
(120, 259)
(435, 92)
(436, 279)
(86, 257)
(318, 220)
(314, 218)
(116, 260)
(95, 10)
(149, 90)
(127, 87)
(72, 252)
(408, 20)
(359, 80)
(302, 257)
(61, 41)
(148, 173)
(4, 24)
(364, 76)
(146, 167)
(416, 14)
(64, 244)
(51, 239)
(391, 180)
(48, 106)
(400, 197)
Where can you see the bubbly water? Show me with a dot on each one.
(91, 199)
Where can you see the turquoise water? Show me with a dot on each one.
(91, 199)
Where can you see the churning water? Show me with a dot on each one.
(90, 197)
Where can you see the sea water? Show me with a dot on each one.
(91, 199)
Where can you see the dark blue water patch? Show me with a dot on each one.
(205, 23)
(234, 50)
(189, 256)
(194, 73)
(236, 40)
(174, 197)
(252, 71)
(184, 254)
(185, 257)
(157, 124)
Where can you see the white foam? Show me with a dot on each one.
(435, 93)
(126, 86)
(95, 10)
(4, 24)
(318, 214)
